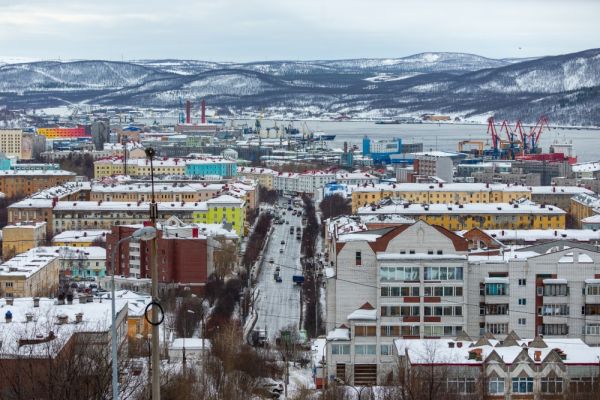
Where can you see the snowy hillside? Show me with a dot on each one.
(565, 87)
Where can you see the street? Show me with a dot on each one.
(278, 304)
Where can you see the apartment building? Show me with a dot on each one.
(185, 252)
(434, 163)
(405, 281)
(137, 167)
(21, 183)
(211, 166)
(83, 215)
(82, 262)
(440, 193)
(584, 205)
(10, 142)
(33, 273)
(47, 337)
(418, 281)
(263, 176)
(22, 237)
(518, 215)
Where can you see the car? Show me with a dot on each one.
(278, 279)
(282, 242)
(271, 385)
(287, 222)
(271, 261)
(289, 208)
(278, 268)
(281, 250)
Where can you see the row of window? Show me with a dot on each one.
(496, 386)
(414, 291)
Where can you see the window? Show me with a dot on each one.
(497, 329)
(556, 290)
(340, 349)
(443, 273)
(582, 384)
(358, 258)
(439, 311)
(592, 329)
(592, 309)
(522, 321)
(522, 385)
(555, 309)
(555, 329)
(8, 284)
(593, 289)
(552, 385)
(365, 331)
(399, 273)
(522, 282)
(386, 349)
(496, 289)
(365, 349)
(389, 331)
(461, 385)
(496, 309)
(496, 386)
(522, 302)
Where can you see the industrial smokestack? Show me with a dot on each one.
(203, 120)
(188, 111)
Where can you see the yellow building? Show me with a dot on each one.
(31, 274)
(222, 209)
(21, 237)
(484, 216)
(584, 205)
(85, 238)
(263, 176)
(439, 193)
(10, 142)
(138, 167)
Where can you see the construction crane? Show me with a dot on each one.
(514, 145)
(536, 132)
(491, 130)
(478, 143)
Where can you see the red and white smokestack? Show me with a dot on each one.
(188, 112)
(203, 120)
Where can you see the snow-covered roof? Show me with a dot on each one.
(86, 252)
(136, 302)
(359, 237)
(572, 190)
(468, 208)
(35, 172)
(28, 263)
(21, 225)
(582, 258)
(339, 334)
(360, 314)
(96, 317)
(445, 187)
(446, 351)
(587, 167)
(225, 199)
(532, 235)
(127, 206)
(80, 236)
(588, 199)
(593, 281)
(61, 191)
(434, 153)
(419, 256)
(593, 219)
(555, 281)
(496, 280)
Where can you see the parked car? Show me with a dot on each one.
(282, 242)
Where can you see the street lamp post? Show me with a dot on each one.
(145, 233)
(184, 335)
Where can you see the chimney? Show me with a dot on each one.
(459, 344)
(36, 301)
(78, 318)
(62, 319)
(69, 299)
(61, 299)
(28, 317)
(10, 301)
(451, 345)
(8, 317)
(188, 111)
(82, 299)
(203, 111)
(194, 232)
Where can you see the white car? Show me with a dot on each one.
(272, 386)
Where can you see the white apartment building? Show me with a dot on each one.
(435, 163)
(417, 281)
(10, 142)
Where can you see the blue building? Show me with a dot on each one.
(380, 150)
(220, 167)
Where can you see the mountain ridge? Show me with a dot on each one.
(564, 87)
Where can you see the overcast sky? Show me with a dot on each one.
(246, 30)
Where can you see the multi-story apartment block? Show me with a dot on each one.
(60, 132)
(21, 183)
(434, 163)
(33, 273)
(441, 193)
(212, 167)
(209, 166)
(518, 215)
(584, 205)
(82, 262)
(406, 281)
(418, 281)
(21, 237)
(10, 142)
(82, 215)
(263, 176)
(166, 191)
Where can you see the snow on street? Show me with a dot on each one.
(278, 305)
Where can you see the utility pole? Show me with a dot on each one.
(154, 270)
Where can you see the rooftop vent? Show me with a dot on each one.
(36, 301)
(62, 319)
(28, 317)
(78, 318)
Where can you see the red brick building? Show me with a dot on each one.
(182, 261)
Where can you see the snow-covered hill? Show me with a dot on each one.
(564, 87)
